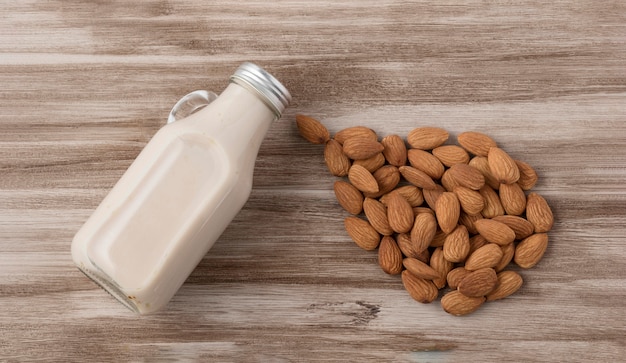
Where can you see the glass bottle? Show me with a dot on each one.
(181, 192)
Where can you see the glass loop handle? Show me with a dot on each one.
(189, 104)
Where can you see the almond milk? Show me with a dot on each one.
(178, 196)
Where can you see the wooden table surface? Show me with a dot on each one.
(84, 85)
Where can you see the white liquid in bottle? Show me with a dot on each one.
(178, 196)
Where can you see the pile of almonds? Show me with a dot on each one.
(441, 215)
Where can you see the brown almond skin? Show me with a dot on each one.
(417, 177)
(538, 213)
(390, 256)
(376, 214)
(426, 162)
(439, 239)
(448, 182)
(513, 199)
(522, 227)
(423, 231)
(481, 163)
(455, 276)
(387, 178)
(495, 232)
(441, 265)
(394, 150)
(451, 154)
(476, 242)
(412, 194)
(467, 176)
(410, 250)
(421, 290)
(312, 130)
(487, 256)
(508, 283)
(355, 131)
(527, 175)
(502, 166)
(508, 251)
(420, 269)
(469, 220)
(458, 304)
(476, 143)
(362, 233)
(447, 211)
(471, 201)
(336, 161)
(399, 213)
(427, 138)
(456, 246)
(362, 179)
(371, 164)
(358, 147)
(349, 197)
(493, 206)
(431, 196)
(530, 250)
(478, 283)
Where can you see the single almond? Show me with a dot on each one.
(355, 131)
(527, 175)
(455, 276)
(362, 233)
(412, 194)
(312, 130)
(447, 211)
(482, 164)
(508, 283)
(418, 210)
(417, 177)
(427, 138)
(468, 220)
(448, 182)
(389, 256)
(423, 231)
(467, 176)
(493, 205)
(419, 289)
(387, 178)
(439, 239)
(420, 269)
(400, 213)
(458, 304)
(410, 250)
(472, 202)
(362, 179)
(495, 232)
(426, 162)
(530, 250)
(513, 199)
(538, 213)
(478, 283)
(337, 162)
(376, 214)
(349, 197)
(431, 196)
(502, 166)
(456, 246)
(476, 143)
(508, 251)
(359, 147)
(488, 255)
(522, 227)
(441, 265)
(372, 163)
(476, 242)
(394, 150)
(451, 154)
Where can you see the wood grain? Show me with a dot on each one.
(86, 84)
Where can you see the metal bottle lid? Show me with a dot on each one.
(269, 89)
